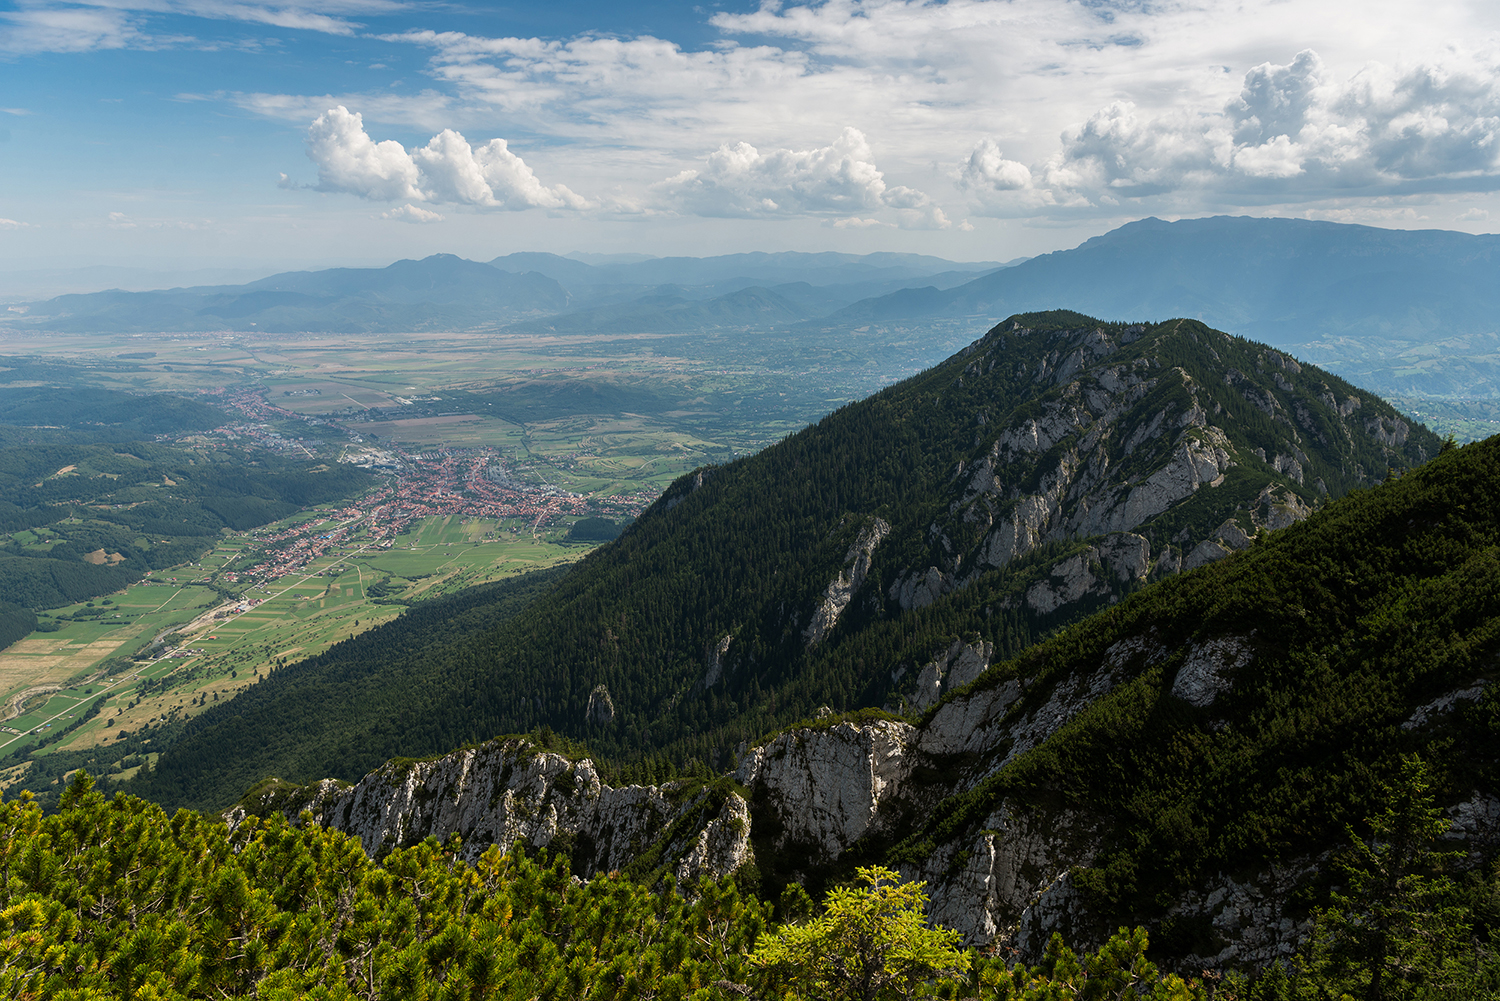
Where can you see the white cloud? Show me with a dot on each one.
(412, 214)
(89, 25)
(446, 170)
(13, 224)
(839, 179)
(427, 109)
(67, 29)
(1173, 101)
(1290, 134)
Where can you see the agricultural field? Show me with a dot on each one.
(1465, 420)
(584, 411)
(174, 644)
(490, 446)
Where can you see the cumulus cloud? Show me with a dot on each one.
(412, 214)
(446, 170)
(839, 179)
(1290, 134)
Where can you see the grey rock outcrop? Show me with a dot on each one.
(1444, 704)
(715, 658)
(1096, 572)
(842, 588)
(826, 786)
(507, 791)
(920, 588)
(601, 708)
(1209, 669)
(961, 664)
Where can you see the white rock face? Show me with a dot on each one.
(1127, 556)
(1476, 822)
(1200, 459)
(601, 708)
(962, 663)
(1209, 669)
(1012, 868)
(1232, 535)
(841, 589)
(969, 724)
(920, 588)
(1444, 704)
(1204, 553)
(1069, 581)
(1288, 465)
(715, 669)
(1389, 431)
(505, 791)
(721, 847)
(827, 785)
(1279, 508)
(1249, 915)
(1024, 528)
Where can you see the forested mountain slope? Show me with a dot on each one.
(882, 557)
(1191, 758)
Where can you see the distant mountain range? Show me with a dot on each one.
(441, 290)
(1404, 312)
(667, 294)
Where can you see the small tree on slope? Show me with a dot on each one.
(871, 943)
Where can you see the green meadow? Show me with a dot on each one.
(207, 647)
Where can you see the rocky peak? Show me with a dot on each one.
(1189, 439)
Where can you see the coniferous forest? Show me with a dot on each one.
(112, 898)
(1363, 704)
(744, 553)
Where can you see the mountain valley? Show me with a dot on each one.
(1053, 467)
(1090, 623)
(1188, 758)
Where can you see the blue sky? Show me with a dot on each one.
(238, 133)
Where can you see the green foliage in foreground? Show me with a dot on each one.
(867, 944)
(113, 899)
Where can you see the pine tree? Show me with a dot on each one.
(870, 943)
(1395, 928)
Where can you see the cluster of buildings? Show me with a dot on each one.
(435, 484)
(469, 482)
(291, 550)
(253, 430)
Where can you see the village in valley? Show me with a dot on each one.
(437, 519)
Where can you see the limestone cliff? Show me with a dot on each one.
(1048, 470)
(508, 791)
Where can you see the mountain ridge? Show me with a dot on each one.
(1187, 759)
(1046, 471)
(1156, 268)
